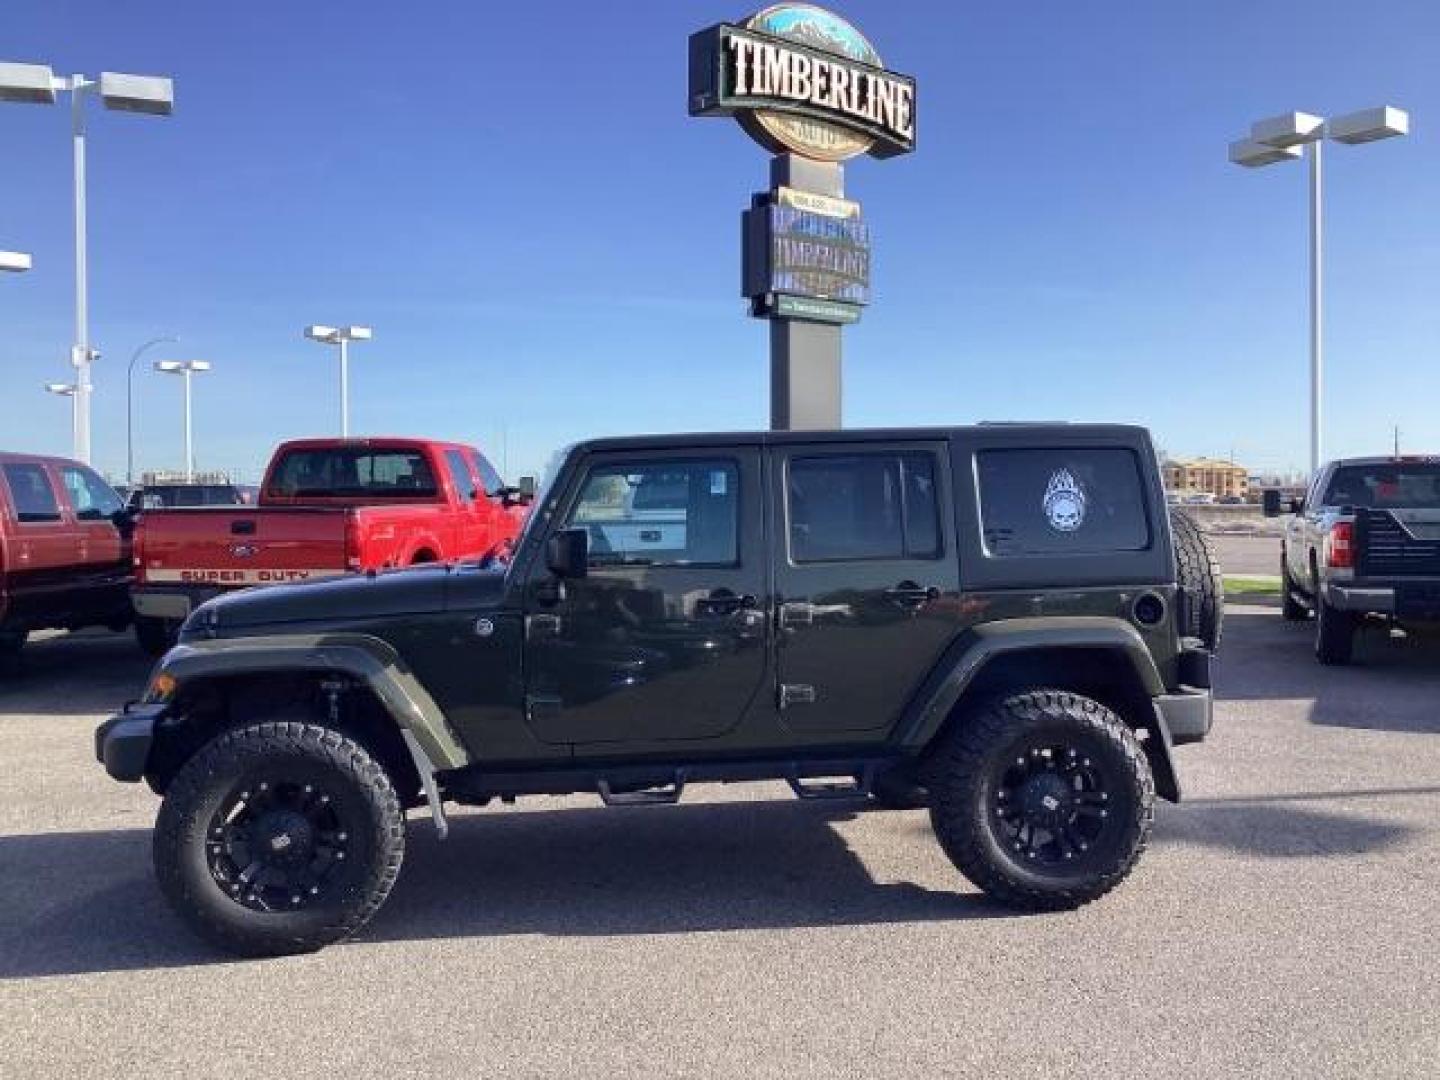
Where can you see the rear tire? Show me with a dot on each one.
(1200, 577)
(1044, 799)
(155, 636)
(279, 838)
(1334, 634)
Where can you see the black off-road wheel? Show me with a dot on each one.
(279, 838)
(1334, 634)
(1291, 610)
(155, 636)
(1200, 577)
(1044, 799)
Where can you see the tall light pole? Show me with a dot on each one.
(37, 84)
(14, 262)
(130, 405)
(1283, 138)
(342, 336)
(71, 391)
(185, 368)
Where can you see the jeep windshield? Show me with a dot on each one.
(346, 472)
(1398, 485)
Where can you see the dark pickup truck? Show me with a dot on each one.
(1363, 547)
(997, 622)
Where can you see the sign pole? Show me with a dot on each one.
(805, 380)
(811, 89)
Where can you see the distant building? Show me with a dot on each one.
(1222, 479)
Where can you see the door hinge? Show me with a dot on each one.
(796, 694)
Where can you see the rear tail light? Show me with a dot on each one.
(1340, 546)
(352, 542)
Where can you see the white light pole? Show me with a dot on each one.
(36, 84)
(14, 262)
(130, 404)
(71, 391)
(1283, 138)
(342, 336)
(186, 368)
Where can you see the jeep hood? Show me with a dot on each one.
(416, 591)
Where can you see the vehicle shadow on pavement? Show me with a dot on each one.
(1392, 685)
(98, 670)
(86, 902)
(90, 903)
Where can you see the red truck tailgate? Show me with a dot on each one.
(238, 545)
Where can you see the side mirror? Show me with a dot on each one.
(1271, 500)
(567, 554)
(124, 521)
(522, 494)
(1297, 505)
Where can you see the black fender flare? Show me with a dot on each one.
(433, 745)
(967, 658)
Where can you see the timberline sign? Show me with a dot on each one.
(802, 80)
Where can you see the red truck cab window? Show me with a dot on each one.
(343, 472)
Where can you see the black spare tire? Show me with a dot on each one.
(1202, 615)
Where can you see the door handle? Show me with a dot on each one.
(795, 613)
(722, 602)
(908, 594)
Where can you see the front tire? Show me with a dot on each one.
(1334, 633)
(279, 838)
(1044, 799)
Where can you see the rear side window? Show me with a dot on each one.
(460, 475)
(1061, 501)
(31, 494)
(488, 476)
(846, 507)
(91, 498)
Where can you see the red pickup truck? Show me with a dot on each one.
(326, 507)
(64, 550)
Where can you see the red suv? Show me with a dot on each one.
(64, 552)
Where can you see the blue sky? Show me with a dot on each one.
(547, 246)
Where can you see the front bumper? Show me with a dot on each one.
(122, 743)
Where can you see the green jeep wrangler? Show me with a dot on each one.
(999, 622)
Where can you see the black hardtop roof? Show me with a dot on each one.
(1001, 433)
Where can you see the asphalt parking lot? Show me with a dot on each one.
(1282, 924)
